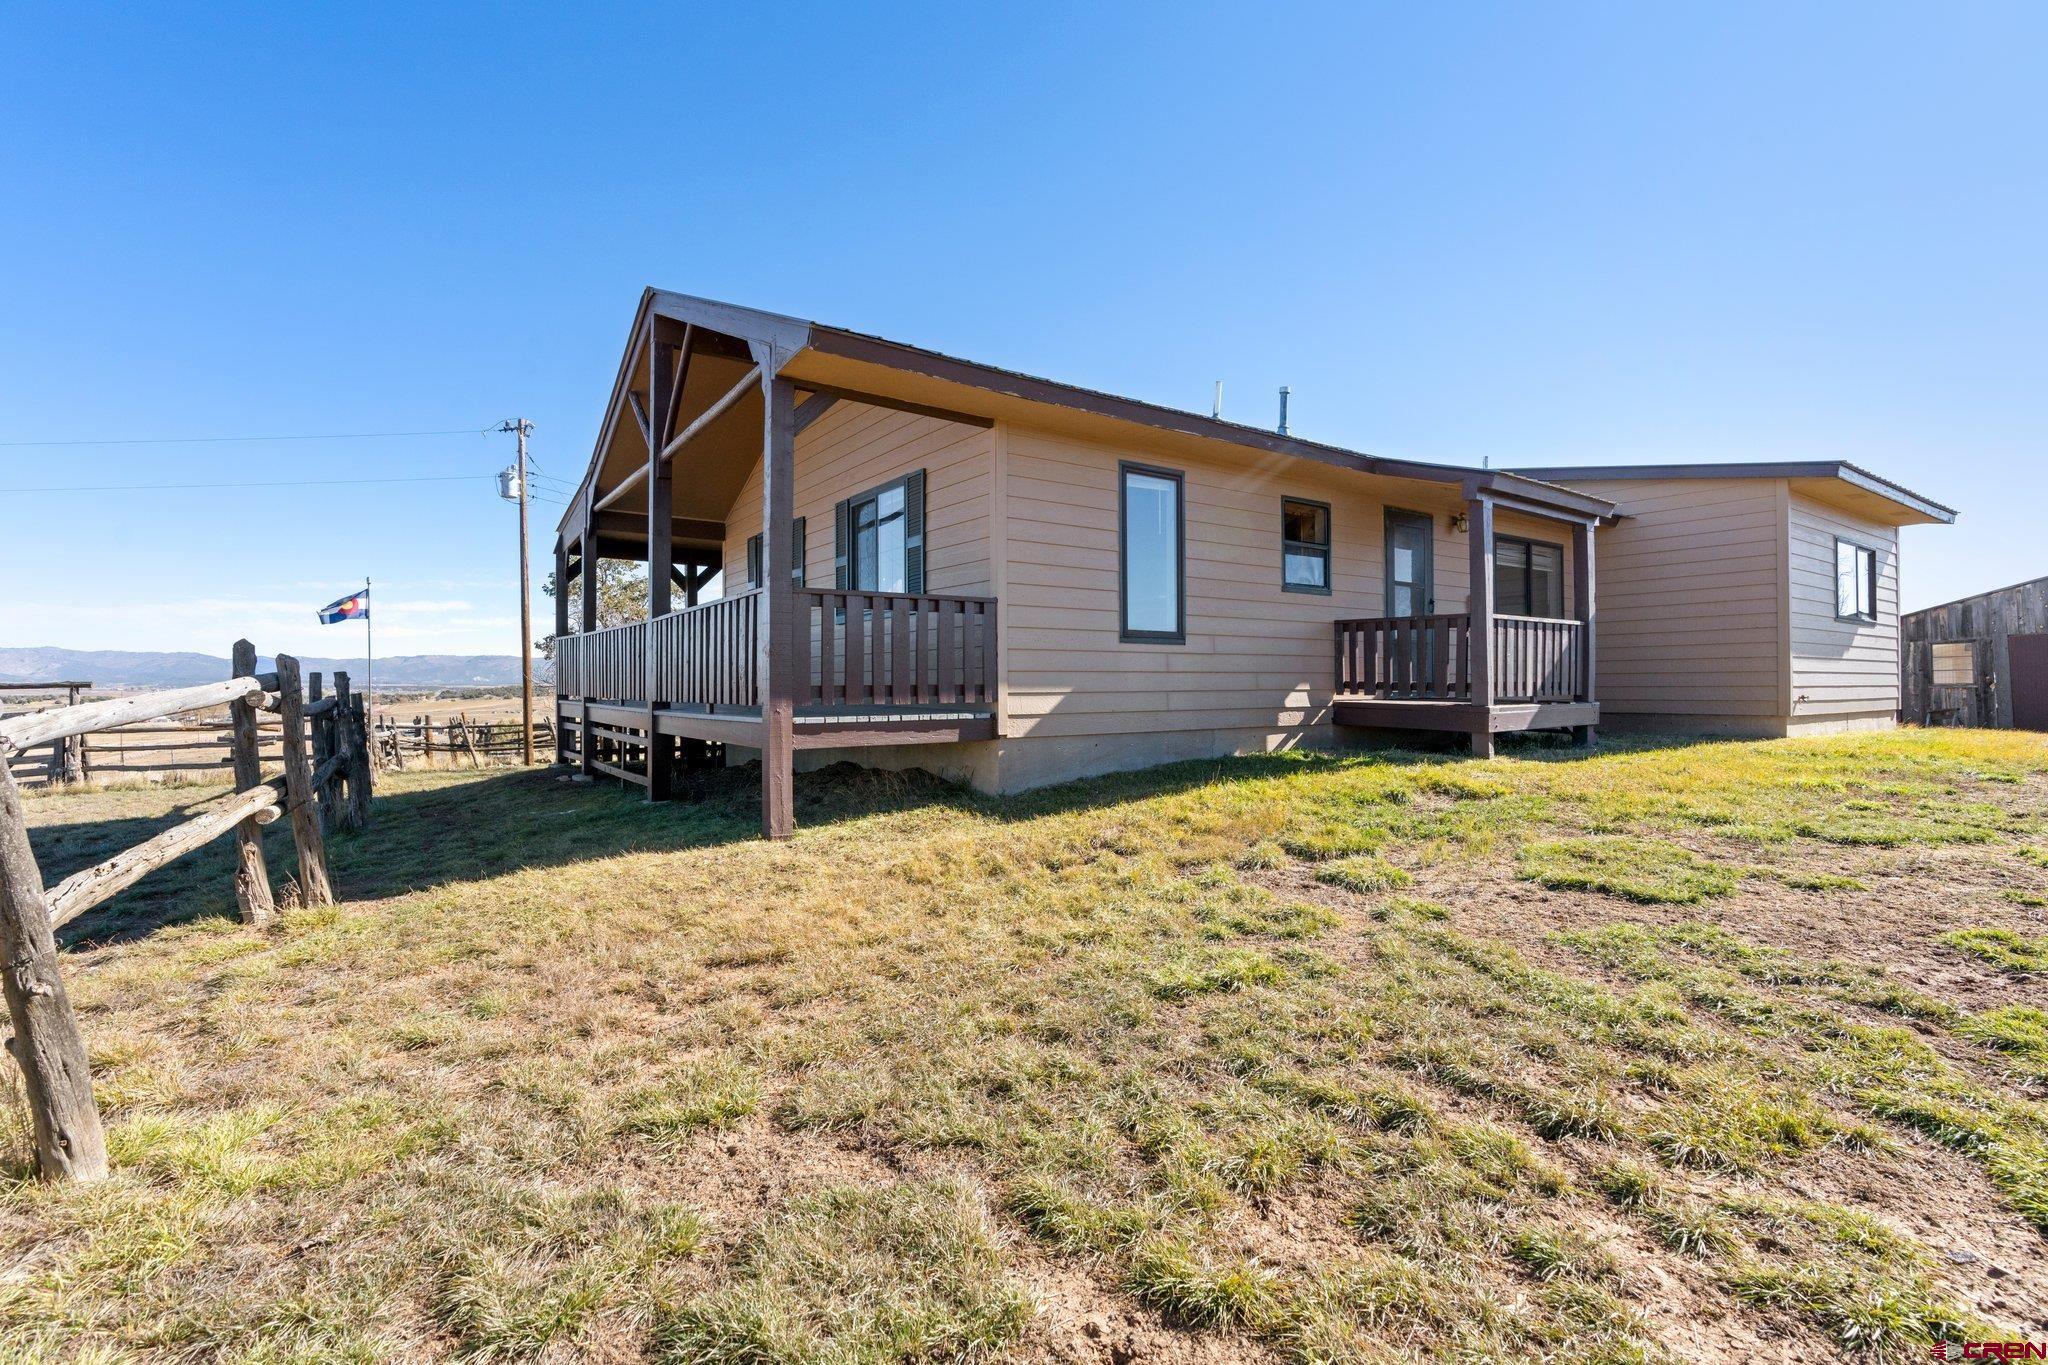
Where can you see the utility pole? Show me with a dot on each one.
(524, 428)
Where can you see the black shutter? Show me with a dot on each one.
(913, 532)
(842, 516)
(753, 561)
(796, 548)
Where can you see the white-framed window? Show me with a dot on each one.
(1955, 664)
(1855, 581)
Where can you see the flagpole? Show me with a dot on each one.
(369, 655)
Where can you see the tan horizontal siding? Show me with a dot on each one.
(853, 448)
(1257, 658)
(1690, 597)
(1840, 667)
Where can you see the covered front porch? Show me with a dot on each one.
(701, 408)
(1480, 672)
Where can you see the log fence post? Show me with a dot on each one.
(74, 747)
(321, 735)
(252, 877)
(360, 767)
(341, 728)
(70, 1143)
(314, 886)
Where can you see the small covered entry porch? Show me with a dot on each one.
(1483, 671)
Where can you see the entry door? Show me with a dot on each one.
(2027, 660)
(1411, 566)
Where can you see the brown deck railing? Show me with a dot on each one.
(610, 664)
(854, 649)
(1406, 657)
(895, 649)
(1538, 658)
(1429, 658)
(709, 655)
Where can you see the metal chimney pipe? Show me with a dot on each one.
(1216, 408)
(1283, 409)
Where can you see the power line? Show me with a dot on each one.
(214, 440)
(243, 483)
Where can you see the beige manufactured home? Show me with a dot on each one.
(924, 561)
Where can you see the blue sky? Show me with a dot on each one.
(1530, 233)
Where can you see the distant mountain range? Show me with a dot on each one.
(145, 668)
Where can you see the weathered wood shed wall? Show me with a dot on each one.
(1986, 623)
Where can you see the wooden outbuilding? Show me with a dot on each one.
(1979, 660)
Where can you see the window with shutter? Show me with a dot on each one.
(879, 538)
(796, 549)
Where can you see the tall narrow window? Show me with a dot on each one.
(1304, 545)
(1150, 554)
(1528, 577)
(880, 538)
(1855, 581)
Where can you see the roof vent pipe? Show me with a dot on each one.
(1283, 409)
(1216, 408)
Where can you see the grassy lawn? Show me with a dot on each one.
(1676, 1052)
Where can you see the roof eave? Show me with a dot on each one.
(859, 346)
(1926, 509)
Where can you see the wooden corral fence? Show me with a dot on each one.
(196, 747)
(323, 748)
(396, 743)
(59, 760)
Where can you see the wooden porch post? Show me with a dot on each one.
(661, 359)
(1479, 529)
(586, 621)
(1583, 599)
(777, 663)
(561, 633)
(561, 585)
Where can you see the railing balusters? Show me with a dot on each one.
(863, 649)
(948, 620)
(1535, 659)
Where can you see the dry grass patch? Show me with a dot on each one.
(1163, 1064)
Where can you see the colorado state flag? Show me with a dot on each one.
(349, 608)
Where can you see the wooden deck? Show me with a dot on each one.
(811, 729)
(1427, 673)
(1464, 717)
(870, 669)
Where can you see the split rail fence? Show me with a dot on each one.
(396, 743)
(200, 747)
(323, 748)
